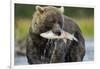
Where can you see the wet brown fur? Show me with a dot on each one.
(50, 18)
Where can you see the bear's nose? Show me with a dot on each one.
(57, 32)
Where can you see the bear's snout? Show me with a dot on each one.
(57, 32)
(56, 29)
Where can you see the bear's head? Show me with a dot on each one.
(48, 18)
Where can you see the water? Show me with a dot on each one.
(89, 56)
(21, 60)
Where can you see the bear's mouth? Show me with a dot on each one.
(64, 35)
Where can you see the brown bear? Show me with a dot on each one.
(41, 50)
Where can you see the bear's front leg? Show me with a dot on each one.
(76, 51)
(32, 52)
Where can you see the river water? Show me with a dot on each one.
(89, 56)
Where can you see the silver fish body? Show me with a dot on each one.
(64, 35)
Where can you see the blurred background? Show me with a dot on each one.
(84, 17)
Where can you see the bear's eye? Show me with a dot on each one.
(59, 22)
(52, 21)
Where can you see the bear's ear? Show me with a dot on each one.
(61, 9)
(40, 9)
